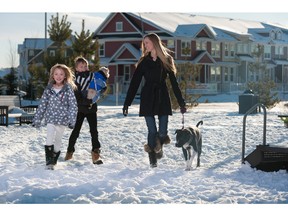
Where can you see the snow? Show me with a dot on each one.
(126, 178)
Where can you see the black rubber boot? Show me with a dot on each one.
(152, 159)
(49, 154)
(56, 156)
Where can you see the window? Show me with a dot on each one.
(229, 74)
(232, 50)
(101, 50)
(126, 73)
(215, 49)
(31, 53)
(267, 52)
(119, 26)
(170, 43)
(242, 48)
(201, 45)
(279, 35)
(185, 48)
(229, 50)
(52, 53)
(272, 35)
(215, 75)
(279, 51)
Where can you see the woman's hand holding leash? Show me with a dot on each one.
(183, 109)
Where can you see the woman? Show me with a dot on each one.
(154, 65)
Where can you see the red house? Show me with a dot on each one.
(223, 46)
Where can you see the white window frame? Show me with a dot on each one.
(185, 44)
(201, 45)
(229, 50)
(215, 49)
(101, 51)
(279, 35)
(228, 74)
(119, 26)
(215, 75)
(170, 43)
(267, 52)
(127, 73)
(31, 52)
(52, 53)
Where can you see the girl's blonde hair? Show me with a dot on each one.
(161, 51)
(69, 75)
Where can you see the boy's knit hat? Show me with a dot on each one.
(105, 71)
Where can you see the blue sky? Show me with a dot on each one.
(21, 22)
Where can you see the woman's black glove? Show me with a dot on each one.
(125, 110)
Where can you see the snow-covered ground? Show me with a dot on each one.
(126, 178)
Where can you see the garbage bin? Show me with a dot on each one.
(247, 100)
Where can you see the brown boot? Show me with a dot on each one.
(165, 140)
(68, 156)
(147, 148)
(95, 156)
(158, 147)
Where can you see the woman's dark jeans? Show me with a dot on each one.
(152, 128)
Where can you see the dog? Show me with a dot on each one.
(190, 140)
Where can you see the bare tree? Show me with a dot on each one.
(12, 54)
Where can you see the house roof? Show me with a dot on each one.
(134, 53)
(189, 25)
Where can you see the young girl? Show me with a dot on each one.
(58, 107)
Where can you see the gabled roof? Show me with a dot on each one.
(102, 29)
(203, 58)
(130, 51)
(245, 57)
(193, 30)
(281, 62)
(189, 25)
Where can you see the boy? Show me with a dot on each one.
(85, 110)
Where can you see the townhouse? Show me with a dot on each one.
(222, 46)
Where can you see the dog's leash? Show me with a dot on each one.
(182, 121)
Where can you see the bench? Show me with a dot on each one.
(7, 103)
(284, 118)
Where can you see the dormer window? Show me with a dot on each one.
(279, 35)
(272, 35)
(119, 26)
(276, 34)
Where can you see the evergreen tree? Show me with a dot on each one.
(38, 81)
(83, 45)
(10, 81)
(264, 85)
(186, 76)
(59, 32)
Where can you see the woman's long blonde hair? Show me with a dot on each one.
(69, 75)
(161, 51)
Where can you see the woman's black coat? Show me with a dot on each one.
(155, 98)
